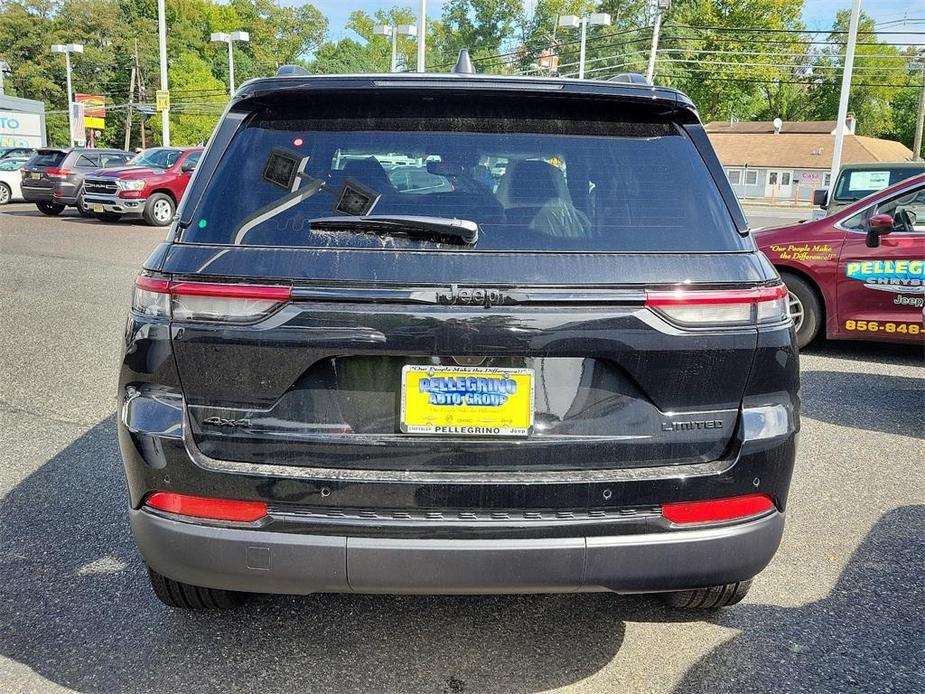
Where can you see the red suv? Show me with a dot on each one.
(150, 185)
(859, 273)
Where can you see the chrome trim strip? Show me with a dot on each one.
(682, 471)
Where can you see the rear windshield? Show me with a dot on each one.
(854, 185)
(46, 158)
(531, 185)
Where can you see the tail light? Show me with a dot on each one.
(54, 172)
(207, 301)
(207, 507)
(730, 307)
(713, 510)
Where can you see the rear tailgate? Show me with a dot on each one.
(318, 382)
(36, 175)
(584, 205)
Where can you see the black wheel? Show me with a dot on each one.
(52, 209)
(183, 595)
(805, 308)
(107, 216)
(159, 210)
(708, 598)
(5, 193)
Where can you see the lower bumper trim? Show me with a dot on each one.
(272, 562)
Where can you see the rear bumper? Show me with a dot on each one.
(273, 562)
(37, 194)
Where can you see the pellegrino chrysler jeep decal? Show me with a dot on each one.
(899, 276)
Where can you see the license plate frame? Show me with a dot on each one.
(467, 408)
(95, 207)
(35, 176)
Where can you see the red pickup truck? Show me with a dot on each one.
(150, 185)
(859, 273)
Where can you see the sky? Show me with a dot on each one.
(818, 14)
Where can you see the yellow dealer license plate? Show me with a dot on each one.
(466, 401)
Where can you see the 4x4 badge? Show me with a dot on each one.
(222, 422)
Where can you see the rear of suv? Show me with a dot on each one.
(54, 178)
(566, 367)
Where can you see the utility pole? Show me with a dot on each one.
(661, 6)
(845, 89)
(162, 45)
(128, 111)
(422, 27)
(920, 121)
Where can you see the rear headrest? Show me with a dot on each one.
(530, 182)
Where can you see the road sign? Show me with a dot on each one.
(162, 100)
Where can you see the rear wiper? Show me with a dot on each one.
(456, 230)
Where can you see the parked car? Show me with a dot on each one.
(16, 152)
(856, 181)
(54, 178)
(859, 273)
(583, 380)
(150, 185)
(9, 180)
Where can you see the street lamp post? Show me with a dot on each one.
(394, 31)
(571, 21)
(422, 29)
(67, 49)
(162, 49)
(230, 39)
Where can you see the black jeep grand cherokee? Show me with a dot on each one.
(458, 334)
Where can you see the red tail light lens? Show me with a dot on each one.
(54, 172)
(207, 507)
(713, 510)
(207, 300)
(722, 307)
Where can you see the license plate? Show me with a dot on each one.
(466, 401)
(36, 176)
(97, 208)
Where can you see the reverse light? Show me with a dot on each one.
(713, 510)
(731, 307)
(209, 301)
(207, 507)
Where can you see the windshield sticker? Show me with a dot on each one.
(356, 199)
(868, 180)
(820, 251)
(282, 168)
(898, 276)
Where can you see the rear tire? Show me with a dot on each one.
(189, 597)
(107, 216)
(708, 598)
(5, 194)
(159, 210)
(52, 209)
(805, 308)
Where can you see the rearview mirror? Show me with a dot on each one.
(878, 225)
(820, 197)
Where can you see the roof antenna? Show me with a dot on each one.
(464, 64)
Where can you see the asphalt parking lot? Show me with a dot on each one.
(839, 609)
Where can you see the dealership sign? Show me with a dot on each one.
(18, 129)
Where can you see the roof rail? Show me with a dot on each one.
(291, 71)
(630, 78)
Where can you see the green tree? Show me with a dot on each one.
(880, 71)
(379, 48)
(345, 56)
